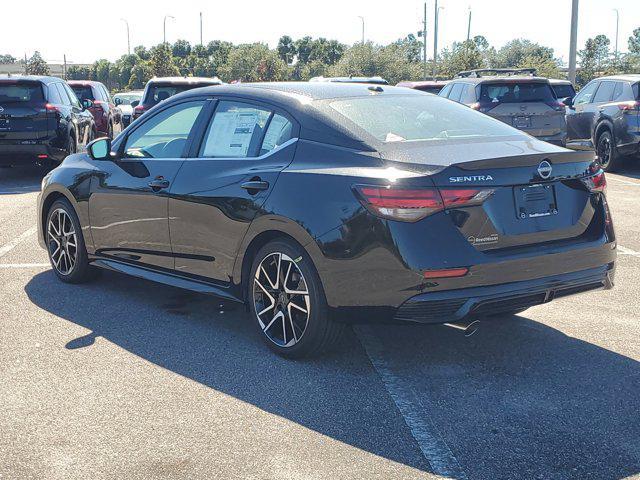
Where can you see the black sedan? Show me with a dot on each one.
(319, 203)
(41, 121)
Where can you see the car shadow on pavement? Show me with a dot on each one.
(18, 180)
(517, 400)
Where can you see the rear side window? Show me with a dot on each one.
(514, 92)
(400, 118)
(164, 135)
(279, 131)
(564, 91)
(456, 91)
(21, 92)
(604, 92)
(83, 92)
(63, 93)
(53, 95)
(469, 94)
(235, 131)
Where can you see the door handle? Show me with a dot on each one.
(158, 183)
(255, 185)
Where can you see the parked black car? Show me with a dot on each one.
(41, 121)
(316, 203)
(161, 88)
(605, 115)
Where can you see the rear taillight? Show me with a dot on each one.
(482, 107)
(557, 105)
(596, 182)
(139, 110)
(51, 108)
(99, 103)
(413, 204)
(631, 106)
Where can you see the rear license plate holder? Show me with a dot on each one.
(534, 201)
(521, 122)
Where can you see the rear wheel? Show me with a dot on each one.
(608, 156)
(65, 244)
(287, 301)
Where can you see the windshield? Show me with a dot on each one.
(398, 118)
(564, 91)
(157, 93)
(21, 92)
(513, 92)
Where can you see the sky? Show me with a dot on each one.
(101, 33)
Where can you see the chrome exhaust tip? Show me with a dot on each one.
(468, 328)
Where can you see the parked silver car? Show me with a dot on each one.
(514, 96)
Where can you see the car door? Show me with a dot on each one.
(579, 115)
(222, 187)
(128, 204)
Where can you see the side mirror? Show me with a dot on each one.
(100, 149)
(118, 101)
(86, 103)
(135, 103)
(568, 102)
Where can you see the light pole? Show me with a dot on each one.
(128, 37)
(362, 18)
(469, 25)
(617, 25)
(573, 41)
(200, 28)
(164, 27)
(435, 37)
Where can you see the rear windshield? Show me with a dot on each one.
(127, 98)
(434, 90)
(158, 92)
(513, 92)
(564, 91)
(21, 92)
(399, 118)
(83, 92)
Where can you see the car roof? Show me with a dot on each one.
(297, 99)
(34, 78)
(630, 77)
(423, 83)
(502, 79)
(350, 79)
(186, 80)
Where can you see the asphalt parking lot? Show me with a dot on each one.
(123, 378)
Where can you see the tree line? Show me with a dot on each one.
(307, 57)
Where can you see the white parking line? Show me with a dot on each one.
(627, 251)
(6, 248)
(416, 416)
(624, 182)
(24, 265)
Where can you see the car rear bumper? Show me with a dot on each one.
(454, 305)
(20, 154)
(559, 139)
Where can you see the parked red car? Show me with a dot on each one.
(429, 86)
(104, 111)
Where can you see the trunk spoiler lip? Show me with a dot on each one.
(528, 160)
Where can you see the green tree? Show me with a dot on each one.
(200, 51)
(594, 58)
(181, 49)
(634, 42)
(140, 75)
(36, 65)
(462, 56)
(142, 52)
(514, 52)
(76, 72)
(254, 63)
(101, 71)
(161, 62)
(286, 49)
(411, 46)
(304, 47)
(7, 58)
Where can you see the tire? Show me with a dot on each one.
(608, 155)
(68, 256)
(297, 331)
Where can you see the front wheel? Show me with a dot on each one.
(287, 301)
(65, 244)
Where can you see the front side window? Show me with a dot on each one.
(400, 118)
(456, 92)
(235, 131)
(164, 135)
(586, 94)
(72, 96)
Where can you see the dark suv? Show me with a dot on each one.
(104, 111)
(605, 115)
(41, 121)
(516, 97)
(159, 89)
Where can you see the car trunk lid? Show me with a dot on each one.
(23, 112)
